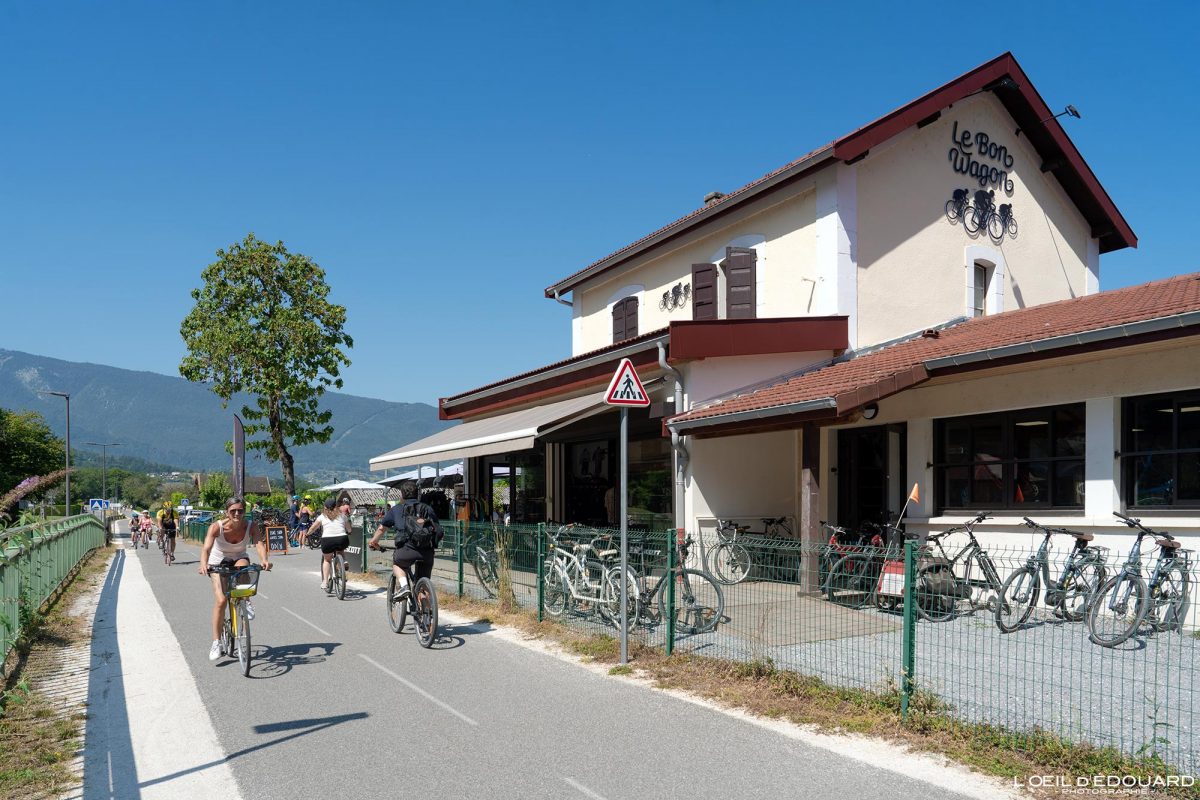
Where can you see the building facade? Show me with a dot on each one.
(916, 302)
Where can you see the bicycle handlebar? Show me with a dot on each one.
(217, 569)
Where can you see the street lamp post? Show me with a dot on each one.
(104, 464)
(67, 397)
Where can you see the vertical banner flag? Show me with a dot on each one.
(239, 458)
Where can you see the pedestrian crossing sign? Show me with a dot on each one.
(626, 388)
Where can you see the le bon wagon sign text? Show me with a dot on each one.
(970, 147)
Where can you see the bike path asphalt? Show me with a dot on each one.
(337, 703)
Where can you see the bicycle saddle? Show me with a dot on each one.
(1083, 537)
(607, 553)
(1170, 544)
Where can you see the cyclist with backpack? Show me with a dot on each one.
(418, 533)
(167, 524)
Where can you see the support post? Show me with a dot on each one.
(541, 570)
(672, 542)
(459, 528)
(624, 535)
(810, 505)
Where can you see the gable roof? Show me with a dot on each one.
(1166, 308)
(1003, 76)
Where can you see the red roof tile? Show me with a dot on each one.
(897, 362)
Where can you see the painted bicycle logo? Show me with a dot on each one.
(982, 214)
(675, 297)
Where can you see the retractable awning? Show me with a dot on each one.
(517, 430)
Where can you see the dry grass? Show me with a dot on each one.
(39, 739)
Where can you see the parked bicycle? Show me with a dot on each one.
(729, 562)
(1081, 576)
(584, 578)
(851, 576)
(699, 601)
(239, 584)
(485, 562)
(1125, 600)
(943, 581)
(420, 603)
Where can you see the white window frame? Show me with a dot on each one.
(993, 260)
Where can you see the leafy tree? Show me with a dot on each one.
(262, 324)
(215, 491)
(27, 448)
(140, 490)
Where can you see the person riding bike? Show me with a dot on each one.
(225, 545)
(135, 529)
(418, 534)
(168, 525)
(334, 525)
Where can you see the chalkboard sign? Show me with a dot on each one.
(277, 539)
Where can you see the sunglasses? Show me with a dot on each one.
(235, 511)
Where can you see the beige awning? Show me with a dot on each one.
(505, 433)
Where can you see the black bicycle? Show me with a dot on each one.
(419, 602)
(944, 580)
(699, 602)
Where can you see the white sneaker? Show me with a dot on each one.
(249, 610)
(402, 595)
(214, 652)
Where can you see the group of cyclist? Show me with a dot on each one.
(414, 524)
(142, 526)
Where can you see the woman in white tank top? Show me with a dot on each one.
(334, 526)
(227, 542)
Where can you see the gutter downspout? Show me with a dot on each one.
(568, 304)
(682, 457)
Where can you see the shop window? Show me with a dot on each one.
(625, 319)
(1160, 450)
(1032, 458)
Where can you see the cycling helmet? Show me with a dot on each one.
(295, 497)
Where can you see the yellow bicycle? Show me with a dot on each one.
(240, 584)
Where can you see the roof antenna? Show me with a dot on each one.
(1069, 110)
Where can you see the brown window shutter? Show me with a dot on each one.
(704, 291)
(739, 282)
(618, 313)
(631, 317)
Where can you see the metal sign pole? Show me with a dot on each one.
(624, 534)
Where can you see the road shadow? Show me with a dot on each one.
(274, 661)
(109, 769)
(303, 727)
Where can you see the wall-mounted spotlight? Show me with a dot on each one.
(1070, 111)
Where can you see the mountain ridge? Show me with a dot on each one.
(168, 420)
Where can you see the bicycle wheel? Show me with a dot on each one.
(933, 603)
(1117, 610)
(699, 602)
(243, 638)
(1018, 596)
(610, 598)
(730, 563)
(339, 577)
(555, 594)
(425, 616)
(848, 583)
(1079, 585)
(1170, 598)
(397, 610)
(971, 219)
(486, 572)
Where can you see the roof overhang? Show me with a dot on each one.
(504, 433)
(692, 339)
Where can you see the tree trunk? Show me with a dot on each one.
(286, 462)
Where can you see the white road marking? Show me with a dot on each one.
(417, 689)
(174, 744)
(585, 791)
(306, 622)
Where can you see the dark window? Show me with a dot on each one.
(625, 319)
(739, 283)
(982, 273)
(704, 291)
(1160, 450)
(1032, 458)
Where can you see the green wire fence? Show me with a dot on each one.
(35, 562)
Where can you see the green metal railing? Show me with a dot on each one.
(35, 561)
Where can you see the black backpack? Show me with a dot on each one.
(421, 537)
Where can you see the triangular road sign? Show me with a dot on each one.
(626, 388)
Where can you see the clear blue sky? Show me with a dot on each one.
(444, 162)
